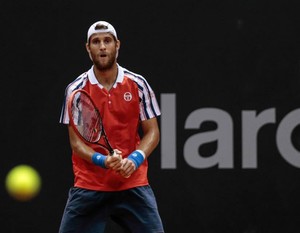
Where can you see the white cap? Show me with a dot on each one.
(101, 27)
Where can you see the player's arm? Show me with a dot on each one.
(85, 152)
(151, 136)
(148, 143)
(79, 147)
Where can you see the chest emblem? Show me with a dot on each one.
(127, 96)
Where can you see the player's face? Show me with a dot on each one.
(103, 49)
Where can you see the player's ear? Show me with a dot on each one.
(87, 46)
(118, 44)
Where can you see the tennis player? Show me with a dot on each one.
(113, 187)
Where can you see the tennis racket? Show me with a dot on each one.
(86, 120)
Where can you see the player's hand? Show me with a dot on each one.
(128, 167)
(114, 162)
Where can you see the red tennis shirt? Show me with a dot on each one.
(130, 101)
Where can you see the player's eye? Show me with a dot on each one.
(107, 40)
(95, 41)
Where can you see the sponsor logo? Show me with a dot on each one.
(127, 96)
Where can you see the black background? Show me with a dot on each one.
(229, 54)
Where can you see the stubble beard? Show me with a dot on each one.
(107, 65)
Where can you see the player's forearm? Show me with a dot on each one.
(80, 148)
(151, 136)
(149, 142)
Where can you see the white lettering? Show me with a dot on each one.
(168, 131)
(223, 135)
(251, 124)
(283, 138)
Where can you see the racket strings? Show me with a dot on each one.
(87, 118)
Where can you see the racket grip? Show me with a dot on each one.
(137, 157)
(99, 159)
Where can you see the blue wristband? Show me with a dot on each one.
(137, 157)
(99, 159)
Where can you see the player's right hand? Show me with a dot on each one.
(114, 162)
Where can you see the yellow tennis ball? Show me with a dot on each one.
(23, 182)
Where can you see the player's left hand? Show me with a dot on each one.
(128, 167)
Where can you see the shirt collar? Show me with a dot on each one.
(93, 80)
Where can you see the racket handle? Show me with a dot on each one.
(111, 152)
(137, 157)
(99, 159)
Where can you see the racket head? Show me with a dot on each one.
(84, 116)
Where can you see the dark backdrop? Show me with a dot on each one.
(230, 55)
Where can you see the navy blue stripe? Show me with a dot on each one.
(149, 93)
(80, 84)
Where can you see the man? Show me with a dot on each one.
(116, 186)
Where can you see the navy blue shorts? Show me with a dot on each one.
(135, 210)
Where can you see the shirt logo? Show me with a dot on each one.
(127, 96)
